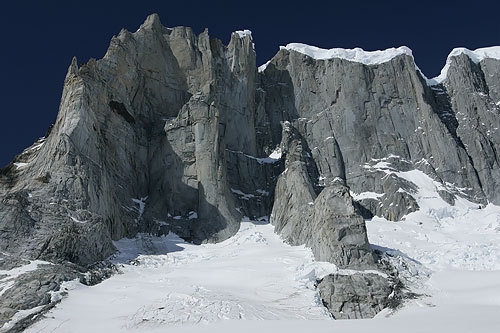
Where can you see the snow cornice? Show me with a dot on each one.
(476, 56)
(355, 55)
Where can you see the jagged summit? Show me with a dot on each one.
(73, 67)
(152, 22)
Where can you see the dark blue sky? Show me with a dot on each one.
(39, 38)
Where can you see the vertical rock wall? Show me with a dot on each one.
(139, 145)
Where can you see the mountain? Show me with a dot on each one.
(172, 132)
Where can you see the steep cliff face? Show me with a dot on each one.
(140, 144)
(174, 132)
(473, 87)
(321, 217)
(356, 125)
(365, 122)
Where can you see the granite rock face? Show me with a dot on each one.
(355, 296)
(357, 130)
(176, 132)
(139, 145)
(473, 91)
(321, 217)
(365, 123)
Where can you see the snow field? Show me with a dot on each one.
(449, 255)
(439, 235)
(457, 247)
(252, 276)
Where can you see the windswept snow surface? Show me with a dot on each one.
(253, 282)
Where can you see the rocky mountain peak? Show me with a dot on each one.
(73, 68)
(152, 22)
(175, 132)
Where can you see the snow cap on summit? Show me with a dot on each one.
(243, 33)
(476, 56)
(356, 54)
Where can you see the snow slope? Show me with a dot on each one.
(252, 276)
(255, 282)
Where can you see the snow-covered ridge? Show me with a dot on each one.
(356, 54)
(476, 56)
(381, 56)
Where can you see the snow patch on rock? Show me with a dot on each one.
(244, 33)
